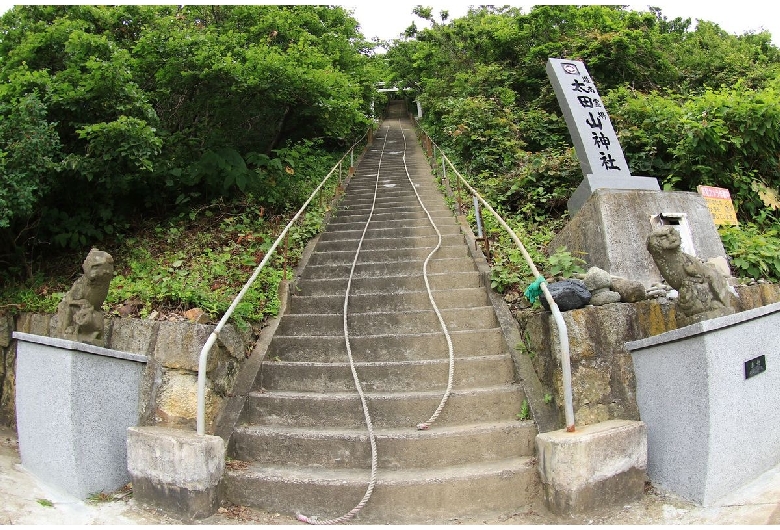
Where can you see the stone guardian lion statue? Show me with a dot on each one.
(79, 313)
(703, 291)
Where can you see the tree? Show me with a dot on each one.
(154, 108)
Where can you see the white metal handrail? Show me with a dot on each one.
(204, 352)
(563, 334)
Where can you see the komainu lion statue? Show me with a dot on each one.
(703, 291)
(79, 313)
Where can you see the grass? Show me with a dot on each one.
(165, 268)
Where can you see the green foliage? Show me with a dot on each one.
(754, 252)
(562, 263)
(726, 138)
(113, 114)
(691, 107)
(525, 411)
(190, 265)
(35, 296)
(29, 156)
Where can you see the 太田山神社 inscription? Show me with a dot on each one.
(594, 137)
(595, 141)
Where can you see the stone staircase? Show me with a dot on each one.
(302, 432)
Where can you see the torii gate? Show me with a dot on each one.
(396, 89)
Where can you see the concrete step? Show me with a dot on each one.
(388, 323)
(389, 190)
(385, 199)
(397, 268)
(334, 257)
(420, 496)
(361, 216)
(428, 374)
(364, 303)
(389, 284)
(391, 243)
(380, 348)
(393, 224)
(396, 448)
(403, 193)
(395, 232)
(388, 410)
(397, 208)
(399, 204)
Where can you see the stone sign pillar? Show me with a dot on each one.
(597, 146)
(613, 212)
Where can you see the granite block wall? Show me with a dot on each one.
(169, 382)
(603, 381)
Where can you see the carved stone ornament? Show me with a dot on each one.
(703, 291)
(79, 313)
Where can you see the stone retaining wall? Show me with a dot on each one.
(169, 385)
(603, 382)
(602, 371)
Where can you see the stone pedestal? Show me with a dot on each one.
(176, 470)
(610, 230)
(594, 467)
(591, 183)
(708, 393)
(74, 403)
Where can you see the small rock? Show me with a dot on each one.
(630, 291)
(568, 295)
(153, 315)
(126, 310)
(197, 315)
(605, 297)
(597, 279)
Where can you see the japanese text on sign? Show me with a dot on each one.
(720, 205)
(594, 138)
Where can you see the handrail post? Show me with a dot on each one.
(457, 186)
(285, 253)
(478, 217)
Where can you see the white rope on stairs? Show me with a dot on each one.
(425, 425)
(372, 438)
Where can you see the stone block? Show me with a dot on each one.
(708, 394)
(134, 335)
(177, 399)
(179, 343)
(596, 466)
(37, 324)
(176, 470)
(74, 403)
(611, 228)
(6, 329)
(591, 183)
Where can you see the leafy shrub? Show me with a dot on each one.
(562, 263)
(754, 251)
(29, 155)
